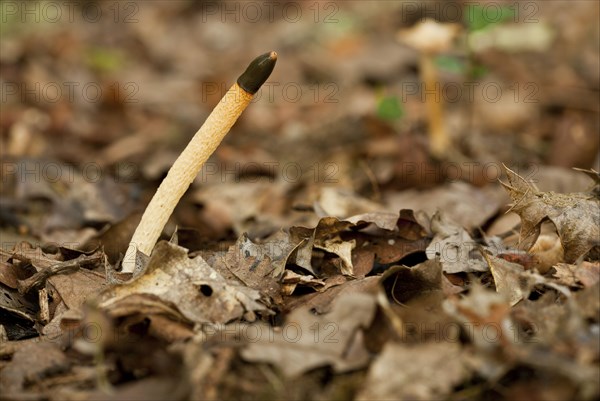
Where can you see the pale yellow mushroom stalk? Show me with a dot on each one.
(188, 164)
(430, 38)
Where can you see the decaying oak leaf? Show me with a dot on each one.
(587, 273)
(27, 253)
(485, 316)
(417, 294)
(291, 279)
(416, 372)
(576, 216)
(360, 241)
(321, 302)
(76, 199)
(454, 246)
(341, 202)
(75, 288)
(196, 289)
(60, 281)
(595, 176)
(275, 250)
(588, 302)
(465, 204)
(343, 249)
(511, 279)
(256, 265)
(30, 365)
(326, 237)
(409, 225)
(386, 238)
(382, 247)
(384, 220)
(566, 274)
(245, 206)
(516, 283)
(546, 252)
(404, 283)
(18, 314)
(307, 341)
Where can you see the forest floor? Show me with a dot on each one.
(334, 247)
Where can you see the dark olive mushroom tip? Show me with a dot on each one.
(257, 72)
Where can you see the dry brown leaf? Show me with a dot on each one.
(464, 204)
(243, 206)
(291, 279)
(454, 246)
(565, 342)
(30, 365)
(514, 282)
(307, 341)
(325, 236)
(321, 302)
(588, 302)
(510, 278)
(546, 252)
(586, 273)
(155, 388)
(406, 283)
(341, 248)
(361, 239)
(386, 247)
(363, 262)
(303, 255)
(75, 288)
(11, 301)
(411, 226)
(485, 316)
(10, 275)
(565, 274)
(341, 202)
(384, 220)
(195, 288)
(416, 372)
(257, 265)
(78, 197)
(27, 253)
(576, 216)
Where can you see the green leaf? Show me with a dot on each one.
(451, 64)
(480, 17)
(105, 60)
(477, 71)
(389, 108)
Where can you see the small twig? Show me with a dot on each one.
(44, 307)
(392, 292)
(39, 279)
(15, 255)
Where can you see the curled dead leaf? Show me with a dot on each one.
(576, 216)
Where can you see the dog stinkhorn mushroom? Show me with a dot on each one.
(430, 38)
(190, 161)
